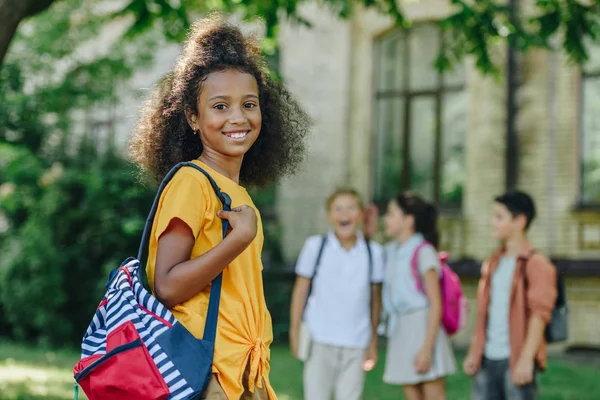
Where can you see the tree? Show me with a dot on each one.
(12, 12)
(472, 29)
(71, 206)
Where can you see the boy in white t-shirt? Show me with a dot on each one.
(337, 296)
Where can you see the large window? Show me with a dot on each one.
(590, 130)
(420, 119)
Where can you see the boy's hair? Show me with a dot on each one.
(343, 191)
(518, 203)
(163, 136)
(424, 213)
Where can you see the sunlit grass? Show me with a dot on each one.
(22, 381)
(28, 373)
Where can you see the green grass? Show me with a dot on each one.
(28, 373)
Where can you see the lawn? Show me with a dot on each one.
(33, 374)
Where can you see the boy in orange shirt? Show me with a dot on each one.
(515, 298)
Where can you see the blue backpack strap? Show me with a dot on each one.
(210, 330)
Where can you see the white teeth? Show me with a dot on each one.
(237, 135)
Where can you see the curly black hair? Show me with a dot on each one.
(163, 136)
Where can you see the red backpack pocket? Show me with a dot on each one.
(125, 372)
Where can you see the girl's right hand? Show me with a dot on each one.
(423, 360)
(243, 222)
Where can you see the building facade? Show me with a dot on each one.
(386, 120)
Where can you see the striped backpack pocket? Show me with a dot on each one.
(134, 348)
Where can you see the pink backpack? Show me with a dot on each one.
(454, 302)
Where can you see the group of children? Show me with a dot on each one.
(221, 109)
(340, 279)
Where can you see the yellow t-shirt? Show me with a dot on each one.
(244, 329)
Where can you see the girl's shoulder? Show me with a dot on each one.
(428, 247)
(191, 182)
(191, 175)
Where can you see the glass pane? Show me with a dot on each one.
(388, 157)
(593, 64)
(591, 141)
(400, 61)
(424, 47)
(422, 145)
(454, 134)
(387, 53)
(455, 76)
(391, 52)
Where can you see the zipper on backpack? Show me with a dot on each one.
(128, 346)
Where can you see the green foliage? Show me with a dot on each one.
(473, 28)
(69, 211)
(476, 27)
(69, 225)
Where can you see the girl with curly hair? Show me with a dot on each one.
(221, 110)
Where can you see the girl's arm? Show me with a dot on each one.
(177, 278)
(431, 284)
(299, 298)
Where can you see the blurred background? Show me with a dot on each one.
(457, 101)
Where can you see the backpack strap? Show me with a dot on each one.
(210, 330)
(319, 255)
(370, 253)
(414, 266)
(317, 263)
(524, 261)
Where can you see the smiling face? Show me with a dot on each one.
(229, 116)
(344, 215)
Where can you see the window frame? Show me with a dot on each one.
(407, 96)
(581, 203)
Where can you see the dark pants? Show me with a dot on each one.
(494, 382)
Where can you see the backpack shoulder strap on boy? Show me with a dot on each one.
(320, 255)
(368, 243)
(317, 262)
(557, 329)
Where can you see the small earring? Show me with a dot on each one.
(195, 132)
